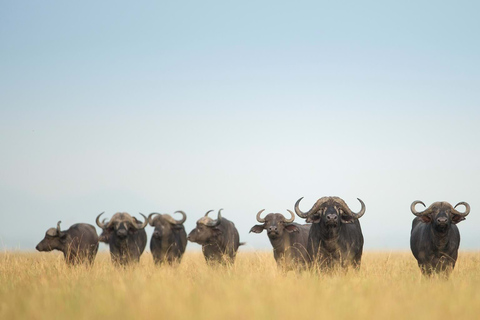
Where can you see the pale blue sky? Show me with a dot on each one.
(168, 105)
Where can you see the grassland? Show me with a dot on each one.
(388, 286)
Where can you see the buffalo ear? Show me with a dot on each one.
(291, 228)
(313, 219)
(217, 231)
(457, 218)
(258, 228)
(426, 218)
(177, 226)
(347, 219)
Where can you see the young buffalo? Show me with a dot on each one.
(79, 243)
(288, 239)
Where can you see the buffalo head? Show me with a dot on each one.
(54, 239)
(164, 223)
(207, 229)
(330, 211)
(122, 224)
(275, 224)
(441, 214)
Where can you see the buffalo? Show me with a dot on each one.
(435, 238)
(335, 238)
(288, 239)
(127, 238)
(169, 238)
(79, 243)
(219, 239)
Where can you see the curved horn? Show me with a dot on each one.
(184, 218)
(216, 222)
(100, 224)
(219, 217)
(415, 212)
(150, 220)
(58, 227)
(467, 209)
(298, 211)
(315, 207)
(292, 218)
(144, 223)
(258, 216)
(361, 212)
(206, 214)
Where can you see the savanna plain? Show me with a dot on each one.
(388, 286)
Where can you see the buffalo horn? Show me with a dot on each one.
(360, 213)
(58, 227)
(292, 218)
(415, 212)
(100, 224)
(215, 223)
(184, 218)
(298, 211)
(467, 209)
(258, 216)
(206, 214)
(144, 223)
(150, 220)
(315, 207)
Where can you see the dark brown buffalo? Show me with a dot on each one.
(219, 239)
(169, 238)
(79, 243)
(335, 238)
(435, 238)
(288, 239)
(127, 238)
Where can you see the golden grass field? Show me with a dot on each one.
(388, 286)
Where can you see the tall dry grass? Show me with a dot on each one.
(388, 286)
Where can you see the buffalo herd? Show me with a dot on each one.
(331, 238)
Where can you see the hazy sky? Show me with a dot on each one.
(242, 105)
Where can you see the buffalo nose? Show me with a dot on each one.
(272, 229)
(122, 233)
(156, 234)
(332, 217)
(442, 220)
